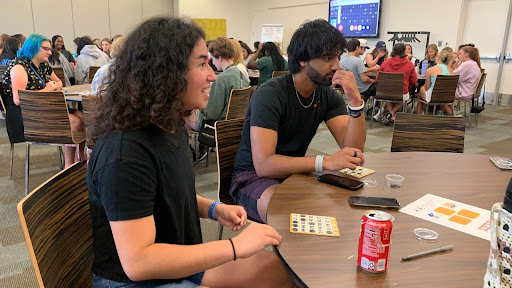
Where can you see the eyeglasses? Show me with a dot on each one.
(46, 48)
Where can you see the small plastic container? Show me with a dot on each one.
(425, 235)
(394, 181)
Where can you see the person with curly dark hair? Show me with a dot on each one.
(144, 208)
(284, 114)
(267, 60)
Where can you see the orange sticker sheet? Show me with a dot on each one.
(456, 215)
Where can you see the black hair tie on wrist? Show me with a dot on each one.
(234, 251)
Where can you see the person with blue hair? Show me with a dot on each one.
(30, 71)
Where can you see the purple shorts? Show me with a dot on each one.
(246, 189)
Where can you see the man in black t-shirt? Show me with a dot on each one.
(284, 114)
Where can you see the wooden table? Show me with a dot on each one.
(74, 93)
(318, 261)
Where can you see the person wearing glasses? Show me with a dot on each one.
(30, 70)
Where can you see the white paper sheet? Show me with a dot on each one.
(456, 215)
(272, 33)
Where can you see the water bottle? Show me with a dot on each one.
(507, 202)
(424, 66)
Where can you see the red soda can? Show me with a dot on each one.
(374, 241)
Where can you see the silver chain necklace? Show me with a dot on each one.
(298, 98)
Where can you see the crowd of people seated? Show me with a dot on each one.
(144, 208)
(29, 65)
(465, 62)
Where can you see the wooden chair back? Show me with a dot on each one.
(279, 73)
(92, 72)
(390, 86)
(253, 88)
(444, 89)
(238, 103)
(228, 134)
(45, 118)
(428, 133)
(56, 223)
(59, 72)
(480, 86)
(89, 103)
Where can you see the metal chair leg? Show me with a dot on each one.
(61, 160)
(27, 162)
(373, 111)
(12, 162)
(220, 230)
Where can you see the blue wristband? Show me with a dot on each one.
(211, 210)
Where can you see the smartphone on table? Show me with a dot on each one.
(379, 202)
(341, 181)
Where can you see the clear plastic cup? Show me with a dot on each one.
(394, 180)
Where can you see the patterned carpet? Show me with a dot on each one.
(492, 136)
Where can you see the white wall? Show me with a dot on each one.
(397, 15)
(76, 18)
(236, 13)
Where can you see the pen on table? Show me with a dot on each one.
(430, 252)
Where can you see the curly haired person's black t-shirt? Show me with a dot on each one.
(135, 174)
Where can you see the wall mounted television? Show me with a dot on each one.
(356, 18)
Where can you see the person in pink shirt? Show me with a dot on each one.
(469, 72)
(399, 63)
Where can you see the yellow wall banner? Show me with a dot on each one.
(212, 27)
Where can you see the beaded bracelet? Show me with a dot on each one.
(211, 210)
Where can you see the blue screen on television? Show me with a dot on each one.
(355, 18)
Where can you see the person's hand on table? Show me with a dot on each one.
(232, 216)
(54, 86)
(347, 157)
(348, 82)
(254, 238)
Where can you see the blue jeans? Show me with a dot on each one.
(192, 281)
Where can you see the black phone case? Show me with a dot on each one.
(340, 184)
(398, 206)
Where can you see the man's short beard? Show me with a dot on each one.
(318, 79)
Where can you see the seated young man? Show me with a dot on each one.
(355, 64)
(284, 115)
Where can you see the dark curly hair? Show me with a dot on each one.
(146, 82)
(314, 39)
